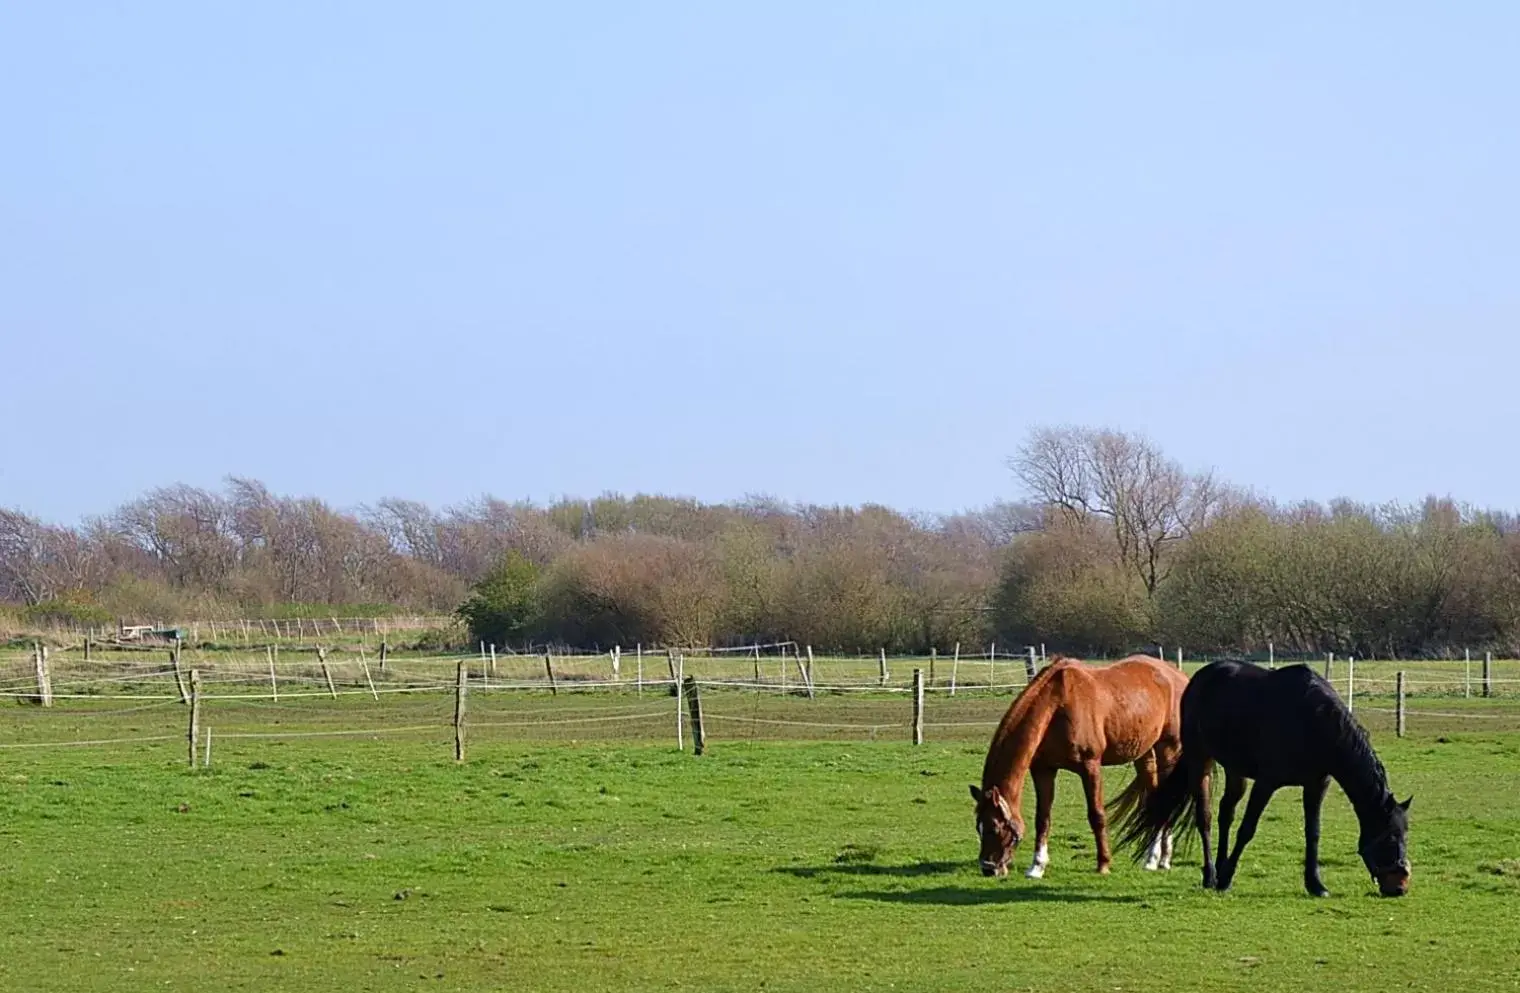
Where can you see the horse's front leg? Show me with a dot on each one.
(1314, 796)
(1044, 800)
(1092, 785)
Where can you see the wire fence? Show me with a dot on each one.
(245, 703)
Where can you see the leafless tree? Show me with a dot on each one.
(1148, 501)
(39, 562)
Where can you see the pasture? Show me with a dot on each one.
(572, 854)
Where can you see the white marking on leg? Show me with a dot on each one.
(1041, 860)
(1153, 858)
(1166, 849)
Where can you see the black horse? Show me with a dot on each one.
(1278, 727)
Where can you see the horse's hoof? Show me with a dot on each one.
(1318, 891)
(1103, 870)
(1151, 866)
(1035, 872)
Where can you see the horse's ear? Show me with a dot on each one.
(1405, 805)
(976, 794)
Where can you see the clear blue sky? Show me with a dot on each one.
(835, 252)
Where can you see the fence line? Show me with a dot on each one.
(785, 706)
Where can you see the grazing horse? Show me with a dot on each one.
(1283, 727)
(1082, 718)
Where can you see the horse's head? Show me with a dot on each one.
(1382, 847)
(1001, 828)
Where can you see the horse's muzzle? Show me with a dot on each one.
(1393, 882)
(994, 869)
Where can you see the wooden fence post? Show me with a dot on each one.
(326, 672)
(1467, 673)
(811, 675)
(757, 664)
(274, 686)
(1488, 672)
(884, 675)
(806, 671)
(954, 665)
(639, 655)
(694, 701)
(918, 706)
(461, 689)
(44, 678)
(367, 677)
(1030, 665)
(179, 677)
(207, 756)
(1351, 683)
(384, 653)
(195, 713)
(87, 648)
(1179, 658)
(1398, 719)
(1329, 666)
(675, 685)
(493, 661)
(1271, 655)
(549, 668)
(617, 662)
(933, 654)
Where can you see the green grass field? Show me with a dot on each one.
(595, 856)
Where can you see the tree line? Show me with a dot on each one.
(1112, 547)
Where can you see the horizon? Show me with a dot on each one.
(843, 256)
(464, 504)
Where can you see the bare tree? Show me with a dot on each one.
(1148, 501)
(188, 531)
(412, 528)
(38, 561)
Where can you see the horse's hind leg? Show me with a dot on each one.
(1234, 789)
(1148, 774)
(1044, 799)
(1261, 792)
(1202, 817)
(1167, 752)
(1092, 785)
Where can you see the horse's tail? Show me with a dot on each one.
(1145, 814)
(1122, 807)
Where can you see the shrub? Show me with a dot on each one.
(502, 607)
(74, 609)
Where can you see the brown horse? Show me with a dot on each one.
(1079, 717)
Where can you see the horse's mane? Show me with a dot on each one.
(1346, 736)
(999, 755)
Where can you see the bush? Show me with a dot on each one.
(438, 640)
(77, 609)
(502, 607)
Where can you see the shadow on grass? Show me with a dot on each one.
(871, 869)
(967, 896)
